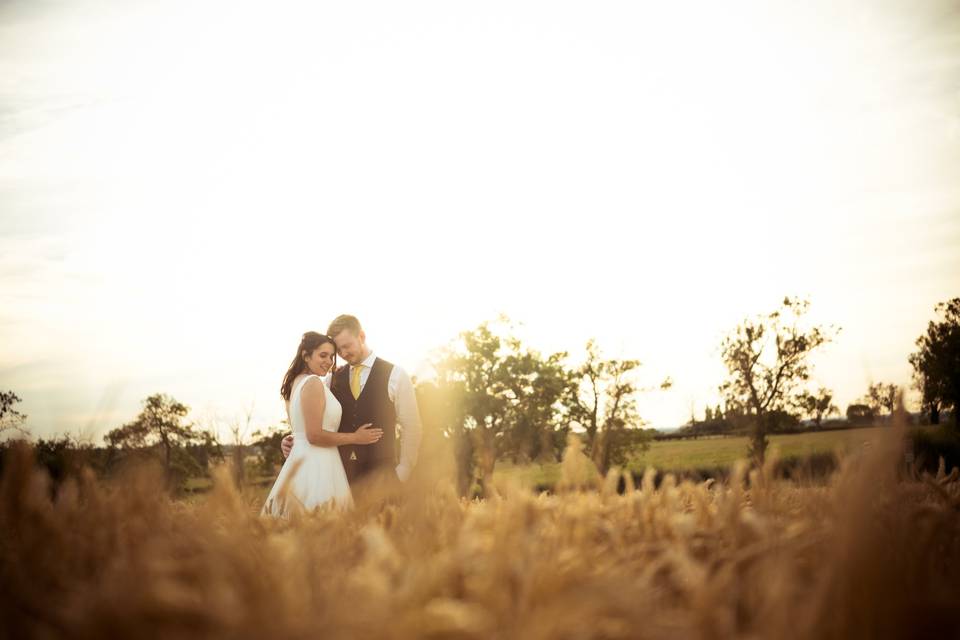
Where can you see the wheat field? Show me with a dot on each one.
(873, 553)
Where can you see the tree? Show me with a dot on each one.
(534, 386)
(507, 394)
(818, 405)
(936, 363)
(266, 443)
(593, 394)
(10, 418)
(442, 412)
(472, 370)
(931, 394)
(239, 428)
(882, 396)
(767, 359)
(860, 413)
(65, 455)
(161, 426)
(603, 401)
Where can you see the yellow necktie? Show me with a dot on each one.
(355, 381)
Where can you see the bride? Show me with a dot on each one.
(313, 473)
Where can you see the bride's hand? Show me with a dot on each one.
(368, 434)
(286, 445)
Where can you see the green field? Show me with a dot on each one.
(708, 453)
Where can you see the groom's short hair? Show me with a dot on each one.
(344, 322)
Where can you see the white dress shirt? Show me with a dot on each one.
(404, 399)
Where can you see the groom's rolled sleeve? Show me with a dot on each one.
(408, 416)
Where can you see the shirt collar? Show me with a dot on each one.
(368, 363)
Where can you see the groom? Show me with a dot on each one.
(374, 391)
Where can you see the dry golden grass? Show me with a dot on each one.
(870, 555)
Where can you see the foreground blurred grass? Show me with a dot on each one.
(871, 554)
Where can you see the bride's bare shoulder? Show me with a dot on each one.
(302, 379)
(313, 383)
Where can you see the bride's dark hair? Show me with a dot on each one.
(310, 342)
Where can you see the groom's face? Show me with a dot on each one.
(351, 346)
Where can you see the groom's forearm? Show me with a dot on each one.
(408, 415)
(409, 448)
(324, 438)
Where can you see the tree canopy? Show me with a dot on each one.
(10, 418)
(768, 360)
(162, 426)
(499, 398)
(936, 363)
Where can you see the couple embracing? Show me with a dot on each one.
(343, 420)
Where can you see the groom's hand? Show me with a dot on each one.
(286, 445)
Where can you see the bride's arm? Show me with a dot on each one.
(314, 401)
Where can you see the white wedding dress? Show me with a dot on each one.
(311, 476)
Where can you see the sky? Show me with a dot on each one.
(186, 187)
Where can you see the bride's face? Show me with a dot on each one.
(320, 361)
